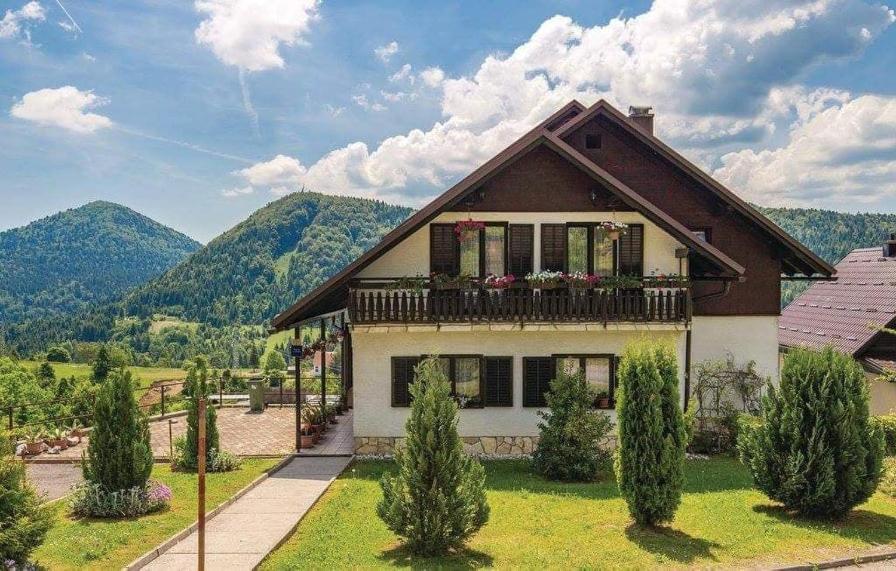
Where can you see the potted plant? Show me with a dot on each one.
(581, 280)
(544, 279)
(613, 230)
(413, 285)
(76, 430)
(603, 399)
(58, 438)
(310, 420)
(495, 282)
(331, 414)
(34, 442)
(444, 281)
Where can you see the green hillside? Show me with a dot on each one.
(62, 263)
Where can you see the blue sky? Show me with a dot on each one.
(198, 113)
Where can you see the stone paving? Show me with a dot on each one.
(247, 434)
(246, 531)
(54, 480)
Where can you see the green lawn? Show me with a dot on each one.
(112, 544)
(722, 522)
(146, 375)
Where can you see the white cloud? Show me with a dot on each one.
(385, 53)
(841, 151)
(248, 33)
(333, 110)
(15, 22)
(237, 191)
(403, 74)
(716, 74)
(432, 76)
(363, 102)
(65, 107)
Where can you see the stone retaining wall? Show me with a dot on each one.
(509, 446)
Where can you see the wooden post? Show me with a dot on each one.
(323, 371)
(201, 457)
(163, 399)
(298, 373)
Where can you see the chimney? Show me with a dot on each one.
(890, 247)
(642, 118)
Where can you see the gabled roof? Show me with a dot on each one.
(804, 260)
(845, 313)
(332, 295)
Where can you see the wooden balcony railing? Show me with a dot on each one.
(376, 301)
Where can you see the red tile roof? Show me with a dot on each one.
(843, 313)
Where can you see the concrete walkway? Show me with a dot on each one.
(246, 531)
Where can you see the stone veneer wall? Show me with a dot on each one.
(476, 445)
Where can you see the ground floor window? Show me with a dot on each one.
(476, 380)
(599, 370)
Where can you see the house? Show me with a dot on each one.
(589, 190)
(849, 314)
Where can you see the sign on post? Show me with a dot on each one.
(296, 351)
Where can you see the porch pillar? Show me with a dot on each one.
(298, 373)
(323, 369)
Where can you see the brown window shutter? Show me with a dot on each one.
(553, 247)
(402, 377)
(444, 257)
(631, 251)
(498, 381)
(522, 249)
(537, 374)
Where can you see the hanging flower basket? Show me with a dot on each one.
(466, 228)
(613, 230)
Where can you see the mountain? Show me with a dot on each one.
(829, 234)
(60, 264)
(262, 265)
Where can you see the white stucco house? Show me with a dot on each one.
(647, 244)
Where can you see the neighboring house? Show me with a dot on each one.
(315, 368)
(848, 313)
(542, 203)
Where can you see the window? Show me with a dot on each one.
(537, 375)
(495, 250)
(463, 371)
(599, 372)
(469, 253)
(592, 141)
(477, 254)
(521, 249)
(553, 247)
(585, 249)
(604, 255)
(631, 251)
(443, 250)
(577, 249)
(402, 377)
(498, 381)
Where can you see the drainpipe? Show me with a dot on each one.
(687, 368)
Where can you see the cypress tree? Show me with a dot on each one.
(816, 451)
(102, 365)
(197, 381)
(119, 454)
(24, 522)
(436, 501)
(652, 436)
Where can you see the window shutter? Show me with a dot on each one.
(553, 247)
(537, 373)
(402, 377)
(522, 249)
(631, 251)
(498, 381)
(443, 249)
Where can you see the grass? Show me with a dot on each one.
(112, 544)
(722, 522)
(145, 375)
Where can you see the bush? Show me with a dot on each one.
(569, 444)
(23, 521)
(888, 481)
(436, 501)
(57, 354)
(188, 457)
(652, 436)
(886, 424)
(91, 500)
(119, 455)
(816, 451)
(218, 460)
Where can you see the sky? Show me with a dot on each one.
(198, 113)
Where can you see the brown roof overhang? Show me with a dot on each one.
(806, 261)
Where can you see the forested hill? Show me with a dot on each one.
(261, 266)
(61, 263)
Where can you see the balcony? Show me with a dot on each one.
(384, 301)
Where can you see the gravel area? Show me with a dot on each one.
(54, 480)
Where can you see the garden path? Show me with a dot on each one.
(246, 531)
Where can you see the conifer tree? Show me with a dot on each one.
(816, 451)
(197, 381)
(119, 454)
(652, 436)
(436, 501)
(24, 522)
(102, 365)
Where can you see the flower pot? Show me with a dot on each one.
(61, 443)
(308, 441)
(34, 448)
(79, 433)
(613, 234)
(603, 403)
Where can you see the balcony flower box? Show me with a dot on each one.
(545, 280)
(446, 282)
(581, 280)
(496, 282)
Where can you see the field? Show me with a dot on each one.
(145, 375)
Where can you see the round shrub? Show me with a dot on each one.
(816, 451)
(91, 500)
(569, 445)
(436, 501)
(652, 435)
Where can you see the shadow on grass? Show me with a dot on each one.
(671, 543)
(461, 559)
(867, 526)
